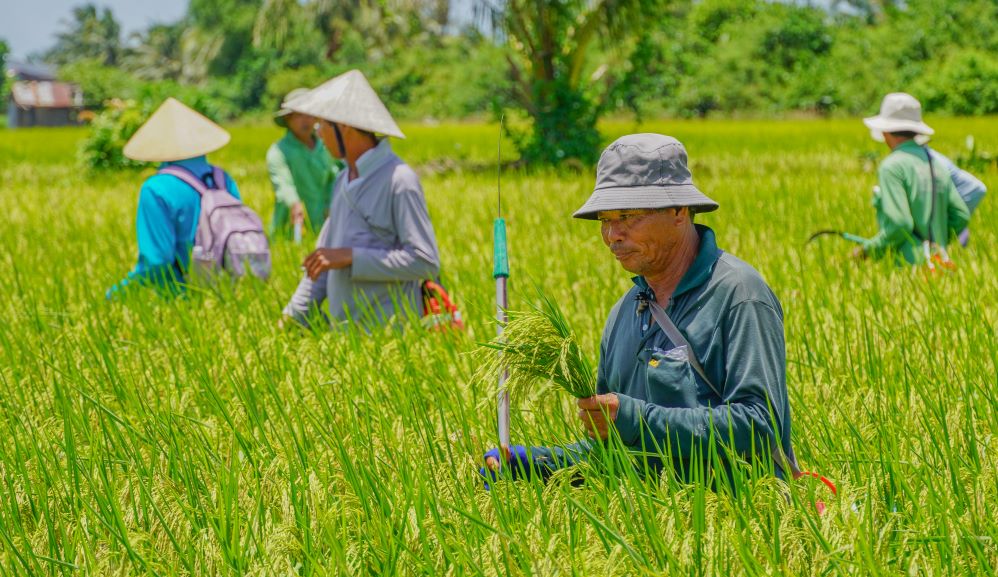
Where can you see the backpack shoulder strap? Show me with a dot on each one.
(218, 175)
(782, 460)
(187, 176)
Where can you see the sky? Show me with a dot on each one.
(29, 26)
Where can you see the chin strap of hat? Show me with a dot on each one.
(339, 139)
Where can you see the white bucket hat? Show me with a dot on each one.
(175, 132)
(284, 110)
(899, 112)
(348, 99)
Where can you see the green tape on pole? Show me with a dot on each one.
(853, 238)
(501, 256)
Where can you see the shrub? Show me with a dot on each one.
(966, 83)
(110, 130)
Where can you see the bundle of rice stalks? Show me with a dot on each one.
(539, 345)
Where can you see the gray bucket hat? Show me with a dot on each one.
(644, 171)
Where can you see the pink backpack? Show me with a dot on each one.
(229, 235)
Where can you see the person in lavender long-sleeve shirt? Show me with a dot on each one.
(377, 245)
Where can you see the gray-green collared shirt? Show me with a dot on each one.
(734, 323)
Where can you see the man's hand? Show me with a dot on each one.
(324, 259)
(492, 459)
(518, 464)
(858, 253)
(298, 213)
(598, 413)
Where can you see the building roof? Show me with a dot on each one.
(46, 94)
(25, 71)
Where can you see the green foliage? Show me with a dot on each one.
(158, 53)
(738, 55)
(283, 81)
(109, 132)
(564, 125)
(560, 64)
(965, 83)
(90, 34)
(100, 83)
(551, 47)
(4, 50)
(455, 79)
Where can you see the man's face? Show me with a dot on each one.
(301, 125)
(643, 240)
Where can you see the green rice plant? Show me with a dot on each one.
(193, 437)
(539, 345)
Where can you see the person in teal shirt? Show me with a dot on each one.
(917, 204)
(302, 172)
(169, 209)
(648, 389)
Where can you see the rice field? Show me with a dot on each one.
(194, 437)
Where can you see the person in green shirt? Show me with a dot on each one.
(720, 384)
(301, 170)
(918, 207)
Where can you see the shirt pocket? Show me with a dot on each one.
(671, 382)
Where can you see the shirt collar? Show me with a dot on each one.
(700, 270)
(374, 158)
(909, 145)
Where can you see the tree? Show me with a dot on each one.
(158, 53)
(4, 51)
(382, 27)
(220, 33)
(91, 34)
(552, 45)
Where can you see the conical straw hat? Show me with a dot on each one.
(348, 99)
(284, 111)
(175, 132)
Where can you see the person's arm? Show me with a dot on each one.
(524, 461)
(898, 225)
(416, 256)
(307, 299)
(969, 187)
(281, 178)
(156, 242)
(548, 459)
(755, 365)
(310, 293)
(958, 214)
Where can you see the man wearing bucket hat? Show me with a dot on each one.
(377, 244)
(918, 206)
(301, 171)
(169, 209)
(692, 357)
